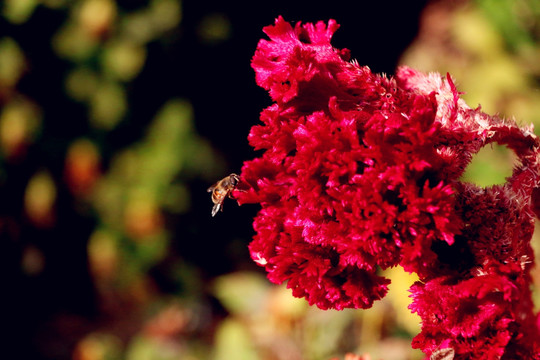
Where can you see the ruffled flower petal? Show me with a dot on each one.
(361, 172)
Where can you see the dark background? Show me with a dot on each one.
(218, 81)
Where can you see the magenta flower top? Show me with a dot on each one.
(360, 172)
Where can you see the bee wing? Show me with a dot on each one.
(211, 188)
(216, 208)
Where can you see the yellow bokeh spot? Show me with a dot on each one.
(18, 11)
(214, 28)
(81, 83)
(12, 62)
(39, 199)
(103, 254)
(19, 121)
(73, 43)
(98, 346)
(165, 14)
(142, 216)
(108, 105)
(124, 59)
(97, 16)
(398, 295)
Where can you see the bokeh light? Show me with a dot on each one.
(115, 117)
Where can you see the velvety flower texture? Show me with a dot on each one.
(360, 172)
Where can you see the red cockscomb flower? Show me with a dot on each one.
(360, 172)
(479, 301)
(349, 179)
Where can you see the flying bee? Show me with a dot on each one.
(221, 190)
(443, 354)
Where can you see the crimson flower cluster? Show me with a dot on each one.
(361, 172)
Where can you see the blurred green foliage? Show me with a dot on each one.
(491, 49)
(129, 192)
(517, 22)
(126, 191)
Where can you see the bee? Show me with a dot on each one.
(221, 190)
(443, 354)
